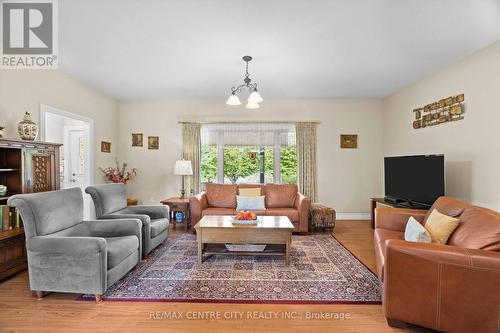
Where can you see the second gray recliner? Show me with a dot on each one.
(110, 202)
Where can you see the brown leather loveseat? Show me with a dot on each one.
(280, 200)
(449, 288)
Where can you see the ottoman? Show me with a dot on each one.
(321, 216)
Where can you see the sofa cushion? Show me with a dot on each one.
(291, 213)
(245, 202)
(478, 228)
(108, 198)
(45, 213)
(221, 195)
(218, 211)
(120, 248)
(250, 192)
(281, 195)
(252, 187)
(415, 232)
(440, 226)
(447, 206)
(380, 236)
(158, 226)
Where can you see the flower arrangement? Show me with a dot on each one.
(119, 175)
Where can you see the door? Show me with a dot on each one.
(76, 159)
(76, 133)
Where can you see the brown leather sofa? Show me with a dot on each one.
(450, 288)
(280, 200)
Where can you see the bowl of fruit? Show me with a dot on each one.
(245, 217)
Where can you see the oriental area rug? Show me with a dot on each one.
(322, 271)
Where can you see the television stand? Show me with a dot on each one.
(381, 202)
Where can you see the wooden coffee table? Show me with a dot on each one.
(213, 232)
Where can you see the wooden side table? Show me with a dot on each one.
(132, 202)
(178, 205)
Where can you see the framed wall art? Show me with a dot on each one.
(349, 141)
(153, 142)
(137, 140)
(105, 147)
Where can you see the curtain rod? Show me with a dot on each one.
(250, 122)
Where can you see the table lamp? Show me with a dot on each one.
(183, 168)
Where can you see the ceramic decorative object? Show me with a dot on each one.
(179, 216)
(1, 131)
(3, 190)
(28, 129)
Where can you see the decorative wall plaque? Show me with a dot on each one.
(444, 110)
(136, 139)
(105, 147)
(348, 141)
(153, 142)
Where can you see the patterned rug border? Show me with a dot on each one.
(144, 264)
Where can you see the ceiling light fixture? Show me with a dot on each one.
(254, 99)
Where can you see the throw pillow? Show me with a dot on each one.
(250, 203)
(250, 191)
(415, 232)
(440, 226)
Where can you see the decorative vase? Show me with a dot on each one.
(179, 216)
(28, 130)
(3, 190)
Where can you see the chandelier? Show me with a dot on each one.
(254, 99)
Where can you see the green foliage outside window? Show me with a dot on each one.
(239, 165)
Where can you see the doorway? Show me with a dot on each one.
(76, 134)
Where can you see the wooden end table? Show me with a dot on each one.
(178, 205)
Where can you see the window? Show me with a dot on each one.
(248, 153)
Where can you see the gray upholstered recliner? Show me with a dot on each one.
(66, 254)
(110, 202)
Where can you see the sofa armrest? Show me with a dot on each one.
(145, 219)
(303, 204)
(117, 228)
(73, 246)
(396, 218)
(154, 212)
(197, 204)
(442, 287)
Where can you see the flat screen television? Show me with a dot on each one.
(414, 180)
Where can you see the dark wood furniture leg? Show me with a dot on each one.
(39, 294)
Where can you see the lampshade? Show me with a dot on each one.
(255, 97)
(252, 105)
(183, 168)
(233, 100)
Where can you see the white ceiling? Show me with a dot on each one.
(192, 49)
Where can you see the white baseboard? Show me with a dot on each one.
(353, 216)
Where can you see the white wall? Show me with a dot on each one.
(471, 146)
(347, 177)
(25, 90)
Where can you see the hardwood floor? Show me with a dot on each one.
(58, 312)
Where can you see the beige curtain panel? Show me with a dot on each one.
(306, 158)
(191, 139)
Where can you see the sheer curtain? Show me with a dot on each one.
(231, 143)
(306, 158)
(191, 152)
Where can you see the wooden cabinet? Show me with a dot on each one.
(25, 167)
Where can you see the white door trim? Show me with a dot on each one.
(45, 109)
